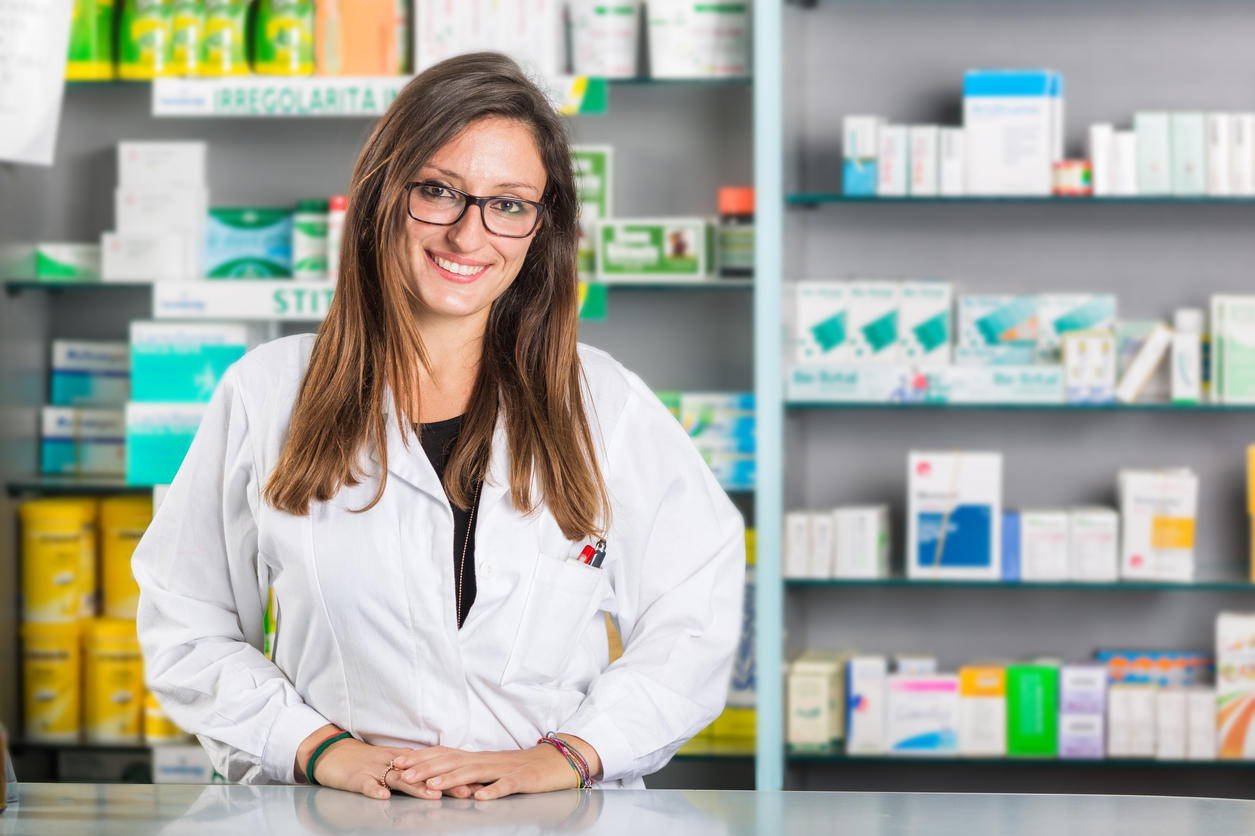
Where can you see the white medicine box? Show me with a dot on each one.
(954, 515)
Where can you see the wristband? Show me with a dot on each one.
(583, 779)
(318, 750)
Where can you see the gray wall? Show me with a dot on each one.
(905, 59)
(675, 145)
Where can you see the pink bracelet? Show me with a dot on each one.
(577, 762)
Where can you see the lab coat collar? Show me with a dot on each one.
(406, 459)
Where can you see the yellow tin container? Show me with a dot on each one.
(113, 670)
(58, 559)
(158, 727)
(51, 674)
(123, 520)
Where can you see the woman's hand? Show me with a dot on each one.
(488, 775)
(356, 766)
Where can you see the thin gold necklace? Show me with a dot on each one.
(470, 526)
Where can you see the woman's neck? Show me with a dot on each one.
(453, 351)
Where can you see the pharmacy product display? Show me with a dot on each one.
(918, 341)
(959, 529)
(1011, 143)
(722, 426)
(1133, 704)
(147, 39)
(82, 671)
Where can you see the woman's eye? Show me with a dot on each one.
(507, 207)
(435, 192)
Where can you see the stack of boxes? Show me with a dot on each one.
(160, 210)
(846, 542)
(722, 426)
(175, 369)
(1082, 711)
(83, 427)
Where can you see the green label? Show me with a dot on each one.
(144, 39)
(222, 46)
(651, 250)
(91, 56)
(302, 302)
(283, 37)
(187, 29)
(594, 302)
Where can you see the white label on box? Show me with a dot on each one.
(892, 162)
(1044, 546)
(1094, 544)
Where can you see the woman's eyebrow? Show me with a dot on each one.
(453, 175)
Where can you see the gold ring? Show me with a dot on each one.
(383, 779)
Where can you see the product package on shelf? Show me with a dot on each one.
(594, 184)
(1235, 685)
(90, 373)
(922, 717)
(530, 33)
(1013, 122)
(82, 441)
(1158, 510)
(644, 249)
(983, 711)
(816, 696)
(954, 511)
(866, 692)
(183, 361)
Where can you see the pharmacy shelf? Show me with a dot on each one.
(13, 287)
(707, 749)
(838, 757)
(821, 198)
(1024, 407)
(71, 485)
(138, 748)
(1207, 585)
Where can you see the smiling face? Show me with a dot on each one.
(458, 271)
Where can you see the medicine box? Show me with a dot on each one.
(893, 161)
(1089, 367)
(1171, 734)
(734, 471)
(866, 697)
(55, 261)
(361, 37)
(1146, 364)
(925, 322)
(1011, 546)
(82, 441)
(954, 515)
(1165, 668)
(821, 322)
(182, 362)
(1013, 124)
(718, 420)
(1235, 685)
(1158, 509)
(861, 541)
(861, 150)
(1189, 153)
(816, 686)
(952, 162)
(1131, 720)
(693, 39)
(594, 187)
(1094, 544)
(924, 153)
(867, 383)
(1059, 314)
(90, 373)
(1200, 721)
(181, 212)
(158, 436)
(983, 711)
(1082, 711)
(914, 664)
(997, 329)
(182, 764)
(797, 528)
(873, 318)
(1082, 736)
(531, 34)
(1220, 135)
(1154, 153)
(162, 165)
(1044, 545)
(249, 243)
(923, 715)
(822, 546)
(1032, 710)
(143, 257)
(663, 248)
(1002, 384)
(1233, 348)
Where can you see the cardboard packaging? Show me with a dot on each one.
(1013, 123)
(90, 373)
(983, 711)
(866, 696)
(954, 510)
(1032, 710)
(861, 150)
(923, 715)
(1158, 510)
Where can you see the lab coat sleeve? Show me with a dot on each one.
(678, 584)
(202, 601)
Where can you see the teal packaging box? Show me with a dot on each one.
(249, 244)
(158, 436)
(182, 362)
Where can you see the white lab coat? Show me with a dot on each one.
(366, 633)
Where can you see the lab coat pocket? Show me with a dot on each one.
(561, 603)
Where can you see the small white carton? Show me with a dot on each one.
(861, 541)
(822, 544)
(821, 318)
(926, 323)
(873, 312)
(983, 711)
(162, 165)
(954, 515)
(1094, 544)
(1044, 546)
(1200, 722)
(1170, 724)
(816, 692)
(892, 162)
(142, 257)
(1158, 509)
(952, 175)
(1154, 153)
(1235, 685)
(925, 160)
(923, 715)
(797, 528)
(866, 695)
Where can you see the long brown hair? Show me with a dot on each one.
(529, 371)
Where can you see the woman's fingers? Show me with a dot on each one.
(464, 791)
(371, 789)
(471, 773)
(506, 785)
(415, 790)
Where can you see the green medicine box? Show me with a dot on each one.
(1032, 711)
(158, 436)
(655, 248)
(594, 185)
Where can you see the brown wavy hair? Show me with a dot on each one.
(530, 371)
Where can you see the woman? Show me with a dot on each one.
(444, 494)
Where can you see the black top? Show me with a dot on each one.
(437, 440)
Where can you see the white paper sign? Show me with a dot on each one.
(34, 39)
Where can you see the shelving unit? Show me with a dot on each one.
(676, 335)
(816, 62)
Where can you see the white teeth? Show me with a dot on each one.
(459, 269)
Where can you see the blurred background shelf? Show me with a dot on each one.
(1206, 585)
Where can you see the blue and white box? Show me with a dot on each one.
(923, 715)
(82, 441)
(1013, 124)
(1066, 313)
(861, 149)
(821, 322)
(998, 329)
(866, 682)
(158, 436)
(925, 322)
(182, 362)
(954, 515)
(873, 313)
(90, 373)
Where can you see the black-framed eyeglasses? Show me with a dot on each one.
(509, 217)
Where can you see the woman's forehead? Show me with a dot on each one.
(491, 153)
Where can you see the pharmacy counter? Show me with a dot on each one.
(133, 809)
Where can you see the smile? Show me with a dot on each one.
(464, 271)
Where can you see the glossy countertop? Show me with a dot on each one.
(136, 809)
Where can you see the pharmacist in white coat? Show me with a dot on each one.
(443, 495)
